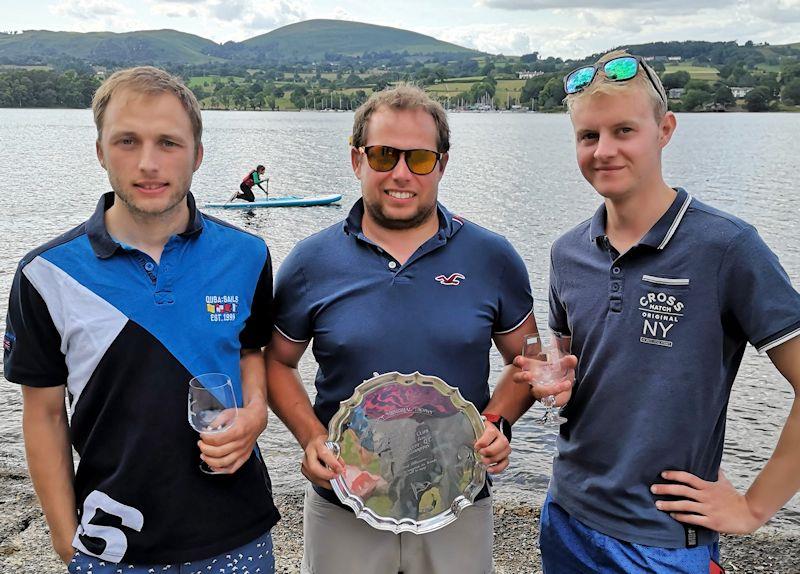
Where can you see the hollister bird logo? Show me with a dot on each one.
(454, 279)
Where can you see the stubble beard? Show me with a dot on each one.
(137, 212)
(416, 220)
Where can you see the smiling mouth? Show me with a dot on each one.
(399, 194)
(151, 187)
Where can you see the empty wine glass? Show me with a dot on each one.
(548, 350)
(212, 406)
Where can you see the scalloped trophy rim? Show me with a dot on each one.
(466, 499)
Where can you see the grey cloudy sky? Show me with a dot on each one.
(568, 28)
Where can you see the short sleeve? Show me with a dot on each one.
(32, 345)
(257, 330)
(756, 295)
(292, 307)
(515, 299)
(557, 318)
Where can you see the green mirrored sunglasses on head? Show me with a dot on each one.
(615, 70)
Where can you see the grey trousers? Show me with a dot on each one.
(336, 542)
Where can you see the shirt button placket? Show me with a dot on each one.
(615, 289)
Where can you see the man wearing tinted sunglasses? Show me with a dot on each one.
(660, 294)
(400, 285)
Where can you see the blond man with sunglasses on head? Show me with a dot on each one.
(400, 285)
(660, 294)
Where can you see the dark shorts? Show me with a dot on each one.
(247, 193)
(254, 557)
(570, 547)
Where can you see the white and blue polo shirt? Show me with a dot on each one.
(659, 332)
(125, 335)
(367, 313)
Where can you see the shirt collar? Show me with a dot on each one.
(660, 234)
(449, 224)
(104, 246)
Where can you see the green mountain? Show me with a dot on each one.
(146, 47)
(312, 39)
(304, 41)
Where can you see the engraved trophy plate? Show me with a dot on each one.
(407, 444)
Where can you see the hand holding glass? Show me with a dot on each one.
(212, 406)
(548, 371)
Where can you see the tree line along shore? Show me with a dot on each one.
(481, 84)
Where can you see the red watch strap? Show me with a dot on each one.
(491, 417)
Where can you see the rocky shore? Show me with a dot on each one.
(25, 546)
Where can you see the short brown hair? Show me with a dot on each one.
(657, 95)
(402, 97)
(147, 80)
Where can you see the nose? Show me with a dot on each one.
(401, 171)
(148, 158)
(606, 147)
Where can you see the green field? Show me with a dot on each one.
(200, 81)
(708, 74)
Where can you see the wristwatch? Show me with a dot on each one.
(502, 424)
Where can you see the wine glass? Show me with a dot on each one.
(212, 406)
(548, 350)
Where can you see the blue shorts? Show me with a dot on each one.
(254, 557)
(570, 547)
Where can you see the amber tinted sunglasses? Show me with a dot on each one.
(385, 158)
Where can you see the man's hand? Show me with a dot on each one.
(494, 449)
(227, 451)
(713, 505)
(528, 375)
(320, 465)
(64, 549)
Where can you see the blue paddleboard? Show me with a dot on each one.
(285, 201)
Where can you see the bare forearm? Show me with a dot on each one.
(780, 478)
(509, 399)
(254, 379)
(49, 457)
(289, 400)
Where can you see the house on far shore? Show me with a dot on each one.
(527, 75)
(675, 93)
(740, 92)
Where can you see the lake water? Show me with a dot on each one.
(513, 173)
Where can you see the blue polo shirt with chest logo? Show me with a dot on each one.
(125, 335)
(659, 332)
(367, 313)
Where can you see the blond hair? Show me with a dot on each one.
(402, 97)
(147, 80)
(657, 94)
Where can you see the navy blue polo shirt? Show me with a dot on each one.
(367, 313)
(125, 335)
(659, 332)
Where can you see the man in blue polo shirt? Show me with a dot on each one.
(400, 285)
(660, 294)
(121, 312)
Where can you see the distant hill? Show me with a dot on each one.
(301, 42)
(312, 39)
(156, 47)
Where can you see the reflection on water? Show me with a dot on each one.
(512, 173)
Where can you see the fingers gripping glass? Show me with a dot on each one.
(617, 70)
(385, 158)
(212, 406)
(548, 371)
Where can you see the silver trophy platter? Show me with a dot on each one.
(407, 442)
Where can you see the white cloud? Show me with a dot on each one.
(94, 15)
(779, 11)
(601, 4)
(89, 9)
(342, 14)
(577, 33)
